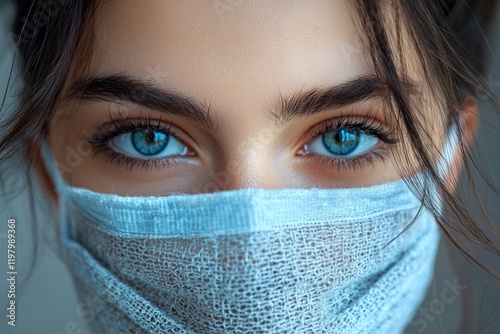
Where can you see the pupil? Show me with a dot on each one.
(151, 137)
(149, 142)
(340, 137)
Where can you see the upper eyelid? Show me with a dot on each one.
(114, 127)
(369, 126)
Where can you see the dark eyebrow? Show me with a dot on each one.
(124, 88)
(313, 101)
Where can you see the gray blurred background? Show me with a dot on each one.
(46, 303)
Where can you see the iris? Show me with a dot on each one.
(341, 141)
(149, 142)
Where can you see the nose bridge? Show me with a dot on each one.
(248, 162)
(247, 170)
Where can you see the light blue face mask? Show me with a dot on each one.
(249, 260)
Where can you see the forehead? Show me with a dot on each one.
(233, 54)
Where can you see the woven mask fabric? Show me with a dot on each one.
(248, 260)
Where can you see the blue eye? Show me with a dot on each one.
(342, 142)
(148, 143)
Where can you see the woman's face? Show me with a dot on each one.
(199, 96)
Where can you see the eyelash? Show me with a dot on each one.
(106, 131)
(369, 127)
